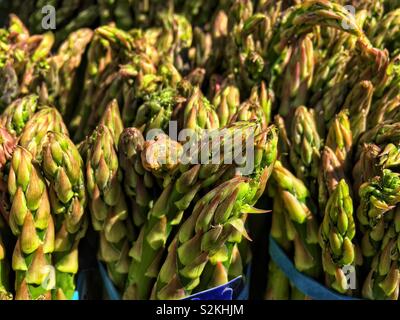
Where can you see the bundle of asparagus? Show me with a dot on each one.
(43, 189)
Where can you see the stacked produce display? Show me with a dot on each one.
(157, 128)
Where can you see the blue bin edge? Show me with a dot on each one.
(236, 289)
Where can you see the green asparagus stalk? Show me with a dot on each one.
(358, 102)
(386, 33)
(302, 18)
(330, 174)
(367, 166)
(329, 71)
(176, 35)
(43, 121)
(377, 198)
(155, 113)
(306, 144)
(139, 185)
(107, 204)
(381, 134)
(113, 121)
(251, 110)
(299, 215)
(340, 138)
(335, 237)
(36, 60)
(206, 237)
(382, 281)
(18, 113)
(378, 215)
(297, 76)
(385, 106)
(64, 170)
(99, 57)
(197, 114)
(60, 83)
(284, 144)
(32, 223)
(84, 18)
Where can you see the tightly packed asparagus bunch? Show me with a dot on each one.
(188, 180)
(351, 129)
(378, 210)
(382, 281)
(18, 113)
(141, 76)
(43, 195)
(204, 254)
(21, 58)
(305, 151)
(44, 203)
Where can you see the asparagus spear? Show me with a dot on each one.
(107, 203)
(60, 82)
(297, 76)
(358, 102)
(43, 121)
(64, 170)
(226, 100)
(331, 172)
(386, 32)
(32, 223)
(335, 237)
(18, 113)
(340, 138)
(378, 217)
(139, 185)
(305, 147)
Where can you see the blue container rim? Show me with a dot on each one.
(236, 289)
